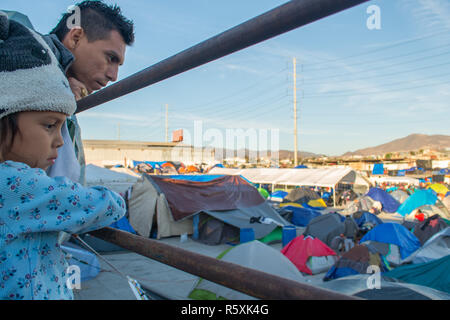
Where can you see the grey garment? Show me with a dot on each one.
(75, 134)
(63, 55)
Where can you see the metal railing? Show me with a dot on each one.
(258, 284)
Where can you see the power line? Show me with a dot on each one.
(445, 31)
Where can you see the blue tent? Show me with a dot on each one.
(301, 166)
(198, 178)
(368, 217)
(401, 173)
(433, 274)
(417, 199)
(123, 224)
(378, 168)
(279, 194)
(394, 233)
(302, 216)
(389, 203)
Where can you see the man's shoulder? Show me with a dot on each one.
(64, 56)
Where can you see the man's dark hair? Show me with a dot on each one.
(98, 20)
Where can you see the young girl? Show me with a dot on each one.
(35, 99)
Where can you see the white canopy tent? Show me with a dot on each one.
(320, 177)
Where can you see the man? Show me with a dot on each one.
(90, 55)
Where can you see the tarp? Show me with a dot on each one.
(390, 205)
(378, 168)
(301, 248)
(417, 199)
(254, 255)
(434, 274)
(185, 198)
(394, 233)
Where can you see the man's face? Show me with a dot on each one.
(37, 139)
(97, 63)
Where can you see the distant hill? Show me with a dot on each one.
(412, 142)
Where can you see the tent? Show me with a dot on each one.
(301, 195)
(302, 216)
(319, 177)
(304, 251)
(85, 260)
(254, 255)
(394, 234)
(116, 181)
(436, 247)
(172, 203)
(434, 274)
(390, 205)
(399, 195)
(439, 188)
(365, 218)
(417, 199)
(278, 195)
(429, 227)
(355, 261)
(357, 285)
(330, 225)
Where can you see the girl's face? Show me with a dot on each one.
(37, 139)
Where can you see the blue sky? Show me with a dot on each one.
(356, 87)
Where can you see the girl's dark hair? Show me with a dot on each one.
(98, 20)
(8, 131)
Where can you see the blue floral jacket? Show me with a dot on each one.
(34, 208)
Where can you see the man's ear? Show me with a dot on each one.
(73, 38)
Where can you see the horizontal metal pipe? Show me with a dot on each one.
(286, 17)
(249, 281)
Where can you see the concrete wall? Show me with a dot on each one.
(110, 152)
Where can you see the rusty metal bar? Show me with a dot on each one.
(286, 17)
(249, 281)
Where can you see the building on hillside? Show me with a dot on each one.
(115, 152)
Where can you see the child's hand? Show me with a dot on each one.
(78, 88)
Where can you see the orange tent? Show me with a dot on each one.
(191, 169)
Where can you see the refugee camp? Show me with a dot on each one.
(226, 151)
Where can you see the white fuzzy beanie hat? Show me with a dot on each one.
(30, 77)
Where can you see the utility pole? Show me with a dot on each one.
(167, 123)
(295, 113)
